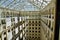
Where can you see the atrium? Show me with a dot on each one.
(27, 19)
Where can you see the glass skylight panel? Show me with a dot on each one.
(34, 0)
(1, 2)
(19, 9)
(22, 1)
(48, 0)
(17, 0)
(9, 2)
(6, 3)
(45, 3)
(30, 0)
(39, 4)
(30, 8)
(42, 7)
(27, 9)
(15, 5)
(11, 7)
(41, 0)
(20, 4)
(28, 4)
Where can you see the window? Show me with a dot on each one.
(32, 21)
(39, 24)
(4, 33)
(35, 21)
(50, 16)
(35, 31)
(49, 24)
(32, 24)
(29, 31)
(32, 27)
(29, 24)
(32, 31)
(46, 36)
(36, 28)
(8, 30)
(35, 34)
(39, 21)
(5, 38)
(39, 31)
(26, 30)
(23, 21)
(3, 22)
(29, 27)
(18, 19)
(12, 29)
(52, 28)
(7, 14)
(39, 27)
(29, 21)
(32, 37)
(32, 34)
(36, 24)
(35, 37)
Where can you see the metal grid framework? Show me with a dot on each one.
(24, 4)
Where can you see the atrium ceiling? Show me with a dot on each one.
(24, 5)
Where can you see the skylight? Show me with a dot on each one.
(24, 4)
